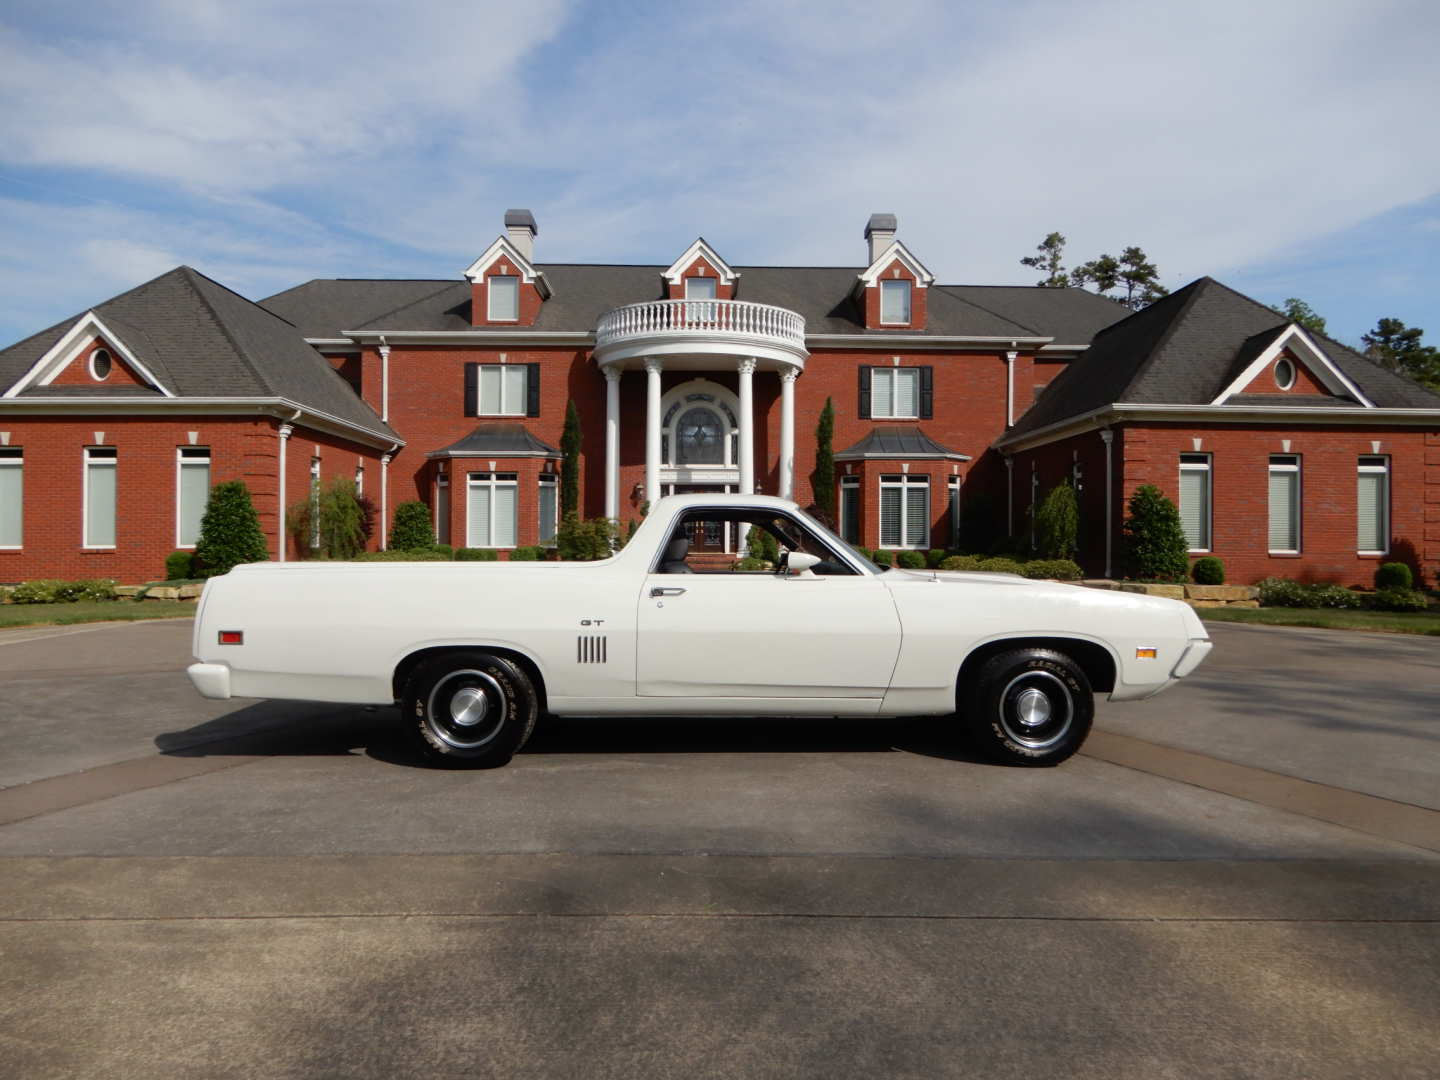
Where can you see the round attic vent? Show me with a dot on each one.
(100, 365)
(1284, 374)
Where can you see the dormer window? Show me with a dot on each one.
(700, 288)
(895, 303)
(503, 303)
(100, 365)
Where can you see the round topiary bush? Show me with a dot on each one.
(476, 555)
(1052, 569)
(961, 562)
(1002, 566)
(1394, 575)
(179, 565)
(1208, 571)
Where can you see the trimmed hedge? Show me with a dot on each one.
(529, 553)
(1282, 592)
(1394, 575)
(910, 560)
(1058, 569)
(962, 562)
(1396, 599)
(934, 557)
(179, 564)
(55, 591)
(400, 555)
(748, 563)
(1208, 571)
(1003, 566)
(476, 555)
(882, 558)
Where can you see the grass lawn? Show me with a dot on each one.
(1419, 622)
(91, 611)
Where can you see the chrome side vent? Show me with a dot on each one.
(590, 649)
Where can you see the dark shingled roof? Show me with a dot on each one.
(582, 293)
(898, 442)
(199, 339)
(501, 440)
(1184, 350)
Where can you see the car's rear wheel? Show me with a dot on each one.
(1030, 707)
(470, 707)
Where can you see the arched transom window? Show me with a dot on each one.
(700, 429)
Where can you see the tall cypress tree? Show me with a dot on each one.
(570, 467)
(822, 480)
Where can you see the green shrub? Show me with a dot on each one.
(5, 591)
(57, 591)
(330, 523)
(1208, 571)
(527, 554)
(882, 558)
(1058, 569)
(230, 532)
(1155, 544)
(476, 555)
(747, 563)
(961, 562)
(934, 557)
(587, 540)
(1002, 566)
(867, 552)
(445, 550)
(910, 560)
(412, 528)
(1057, 523)
(1394, 575)
(179, 564)
(418, 555)
(1398, 599)
(762, 545)
(1282, 592)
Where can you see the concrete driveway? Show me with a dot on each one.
(1239, 878)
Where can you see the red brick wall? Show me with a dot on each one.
(77, 372)
(1305, 383)
(241, 448)
(1053, 464)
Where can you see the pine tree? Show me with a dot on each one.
(1103, 273)
(1051, 252)
(1140, 278)
(822, 480)
(230, 532)
(1298, 311)
(1397, 347)
(570, 468)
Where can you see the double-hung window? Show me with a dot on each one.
(895, 303)
(503, 389)
(12, 496)
(1372, 505)
(491, 512)
(549, 505)
(904, 511)
(1284, 504)
(192, 492)
(850, 509)
(1195, 491)
(895, 393)
(502, 298)
(100, 467)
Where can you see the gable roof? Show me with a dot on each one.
(1184, 350)
(201, 340)
(582, 293)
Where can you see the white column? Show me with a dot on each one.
(385, 382)
(788, 375)
(384, 500)
(1010, 387)
(281, 541)
(1108, 437)
(612, 442)
(747, 427)
(652, 429)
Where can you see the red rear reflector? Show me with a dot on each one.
(232, 637)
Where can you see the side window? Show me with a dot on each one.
(720, 540)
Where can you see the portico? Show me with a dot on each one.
(699, 432)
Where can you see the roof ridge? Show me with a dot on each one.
(1199, 288)
(190, 273)
(408, 304)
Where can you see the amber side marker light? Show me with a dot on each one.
(1146, 654)
(232, 637)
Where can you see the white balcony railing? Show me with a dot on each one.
(715, 318)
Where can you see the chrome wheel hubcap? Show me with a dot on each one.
(1032, 708)
(466, 709)
(1036, 710)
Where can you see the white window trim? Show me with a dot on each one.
(1298, 503)
(1383, 470)
(909, 301)
(905, 483)
(180, 462)
(1207, 467)
(480, 396)
(473, 481)
(442, 483)
(314, 504)
(490, 315)
(893, 374)
(104, 462)
(18, 464)
(549, 488)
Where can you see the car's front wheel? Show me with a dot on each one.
(470, 707)
(1030, 707)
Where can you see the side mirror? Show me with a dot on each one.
(801, 562)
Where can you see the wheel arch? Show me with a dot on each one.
(1097, 661)
(414, 659)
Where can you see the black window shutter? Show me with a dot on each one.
(532, 390)
(472, 389)
(864, 391)
(927, 393)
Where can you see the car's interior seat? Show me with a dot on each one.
(673, 561)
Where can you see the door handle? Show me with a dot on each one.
(658, 591)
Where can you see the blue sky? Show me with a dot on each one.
(1284, 148)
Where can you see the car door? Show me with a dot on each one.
(762, 635)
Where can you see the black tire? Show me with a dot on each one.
(1030, 707)
(470, 707)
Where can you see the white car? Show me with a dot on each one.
(473, 652)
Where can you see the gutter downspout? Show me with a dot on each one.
(284, 431)
(1108, 437)
(385, 495)
(384, 380)
(1010, 386)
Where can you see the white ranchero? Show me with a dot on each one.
(473, 652)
